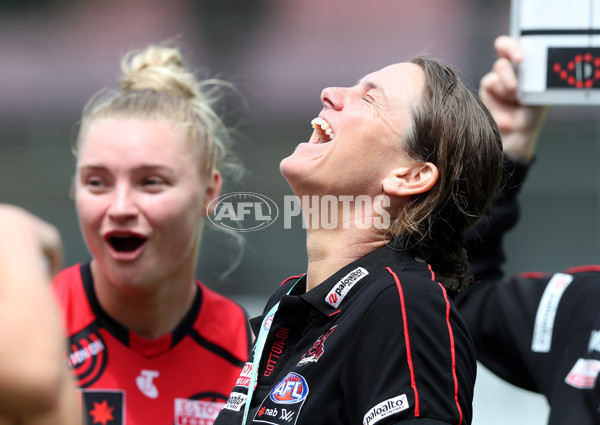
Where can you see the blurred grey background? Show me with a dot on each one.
(280, 53)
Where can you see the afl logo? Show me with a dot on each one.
(291, 390)
(87, 356)
(242, 211)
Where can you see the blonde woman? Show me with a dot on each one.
(149, 344)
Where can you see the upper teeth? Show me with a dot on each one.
(323, 130)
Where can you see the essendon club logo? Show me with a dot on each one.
(573, 67)
(87, 356)
(317, 350)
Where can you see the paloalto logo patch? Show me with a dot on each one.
(236, 401)
(584, 374)
(340, 290)
(385, 409)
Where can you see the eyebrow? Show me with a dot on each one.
(143, 168)
(370, 85)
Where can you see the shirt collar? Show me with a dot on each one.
(333, 294)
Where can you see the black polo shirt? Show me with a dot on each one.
(377, 342)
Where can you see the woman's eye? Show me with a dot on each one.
(153, 182)
(94, 182)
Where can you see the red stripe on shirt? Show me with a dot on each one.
(432, 272)
(411, 367)
(452, 353)
(290, 278)
(581, 269)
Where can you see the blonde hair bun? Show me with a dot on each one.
(157, 68)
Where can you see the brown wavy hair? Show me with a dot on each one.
(453, 130)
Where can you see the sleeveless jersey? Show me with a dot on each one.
(183, 378)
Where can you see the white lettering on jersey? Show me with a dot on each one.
(245, 375)
(145, 383)
(385, 409)
(78, 357)
(236, 401)
(199, 412)
(544, 318)
(594, 344)
(584, 374)
(341, 289)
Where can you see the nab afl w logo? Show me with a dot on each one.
(87, 356)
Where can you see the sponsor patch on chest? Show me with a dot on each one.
(584, 374)
(236, 401)
(594, 344)
(105, 407)
(245, 375)
(87, 356)
(339, 291)
(196, 412)
(146, 383)
(546, 312)
(385, 409)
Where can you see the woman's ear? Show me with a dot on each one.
(212, 192)
(417, 178)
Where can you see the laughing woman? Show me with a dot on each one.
(368, 334)
(149, 343)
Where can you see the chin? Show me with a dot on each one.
(287, 167)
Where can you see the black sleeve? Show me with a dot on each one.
(498, 313)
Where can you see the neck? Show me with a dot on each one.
(330, 250)
(148, 312)
(357, 231)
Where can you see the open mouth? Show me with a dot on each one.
(323, 130)
(127, 243)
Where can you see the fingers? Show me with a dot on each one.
(508, 48)
(501, 82)
(44, 236)
(51, 245)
